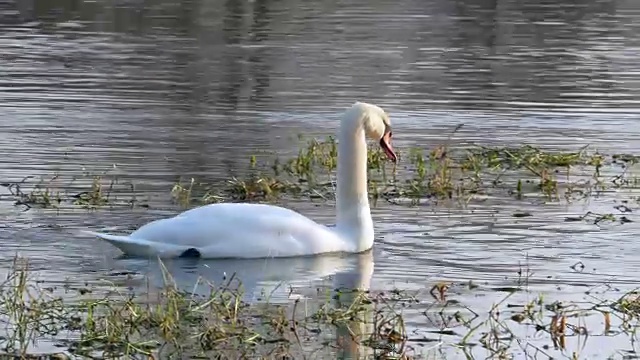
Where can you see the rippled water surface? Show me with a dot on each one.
(166, 89)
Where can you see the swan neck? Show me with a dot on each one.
(352, 201)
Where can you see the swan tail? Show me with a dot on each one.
(140, 247)
(108, 237)
(126, 244)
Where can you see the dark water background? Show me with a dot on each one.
(169, 89)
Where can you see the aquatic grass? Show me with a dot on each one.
(498, 331)
(40, 194)
(184, 195)
(424, 176)
(106, 322)
(95, 196)
(256, 188)
(89, 191)
(430, 176)
(173, 322)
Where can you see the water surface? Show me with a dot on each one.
(166, 89)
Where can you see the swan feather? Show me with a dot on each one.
(231, 230)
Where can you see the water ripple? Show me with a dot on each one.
(168, 90)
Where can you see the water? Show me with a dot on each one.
(167, 89)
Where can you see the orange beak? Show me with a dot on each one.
(385, 144)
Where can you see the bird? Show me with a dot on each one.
(253, 230)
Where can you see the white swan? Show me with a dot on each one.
(241, 230)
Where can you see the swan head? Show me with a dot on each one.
(377, 126)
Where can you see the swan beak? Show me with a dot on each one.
(385, 144)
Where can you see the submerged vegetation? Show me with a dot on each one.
(88, 191)
(441, 174)
(104, 322)
(422, 176)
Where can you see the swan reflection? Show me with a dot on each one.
(279, 280)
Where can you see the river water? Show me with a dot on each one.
(166, 89)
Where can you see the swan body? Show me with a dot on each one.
(232, 230)
(243, 230)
